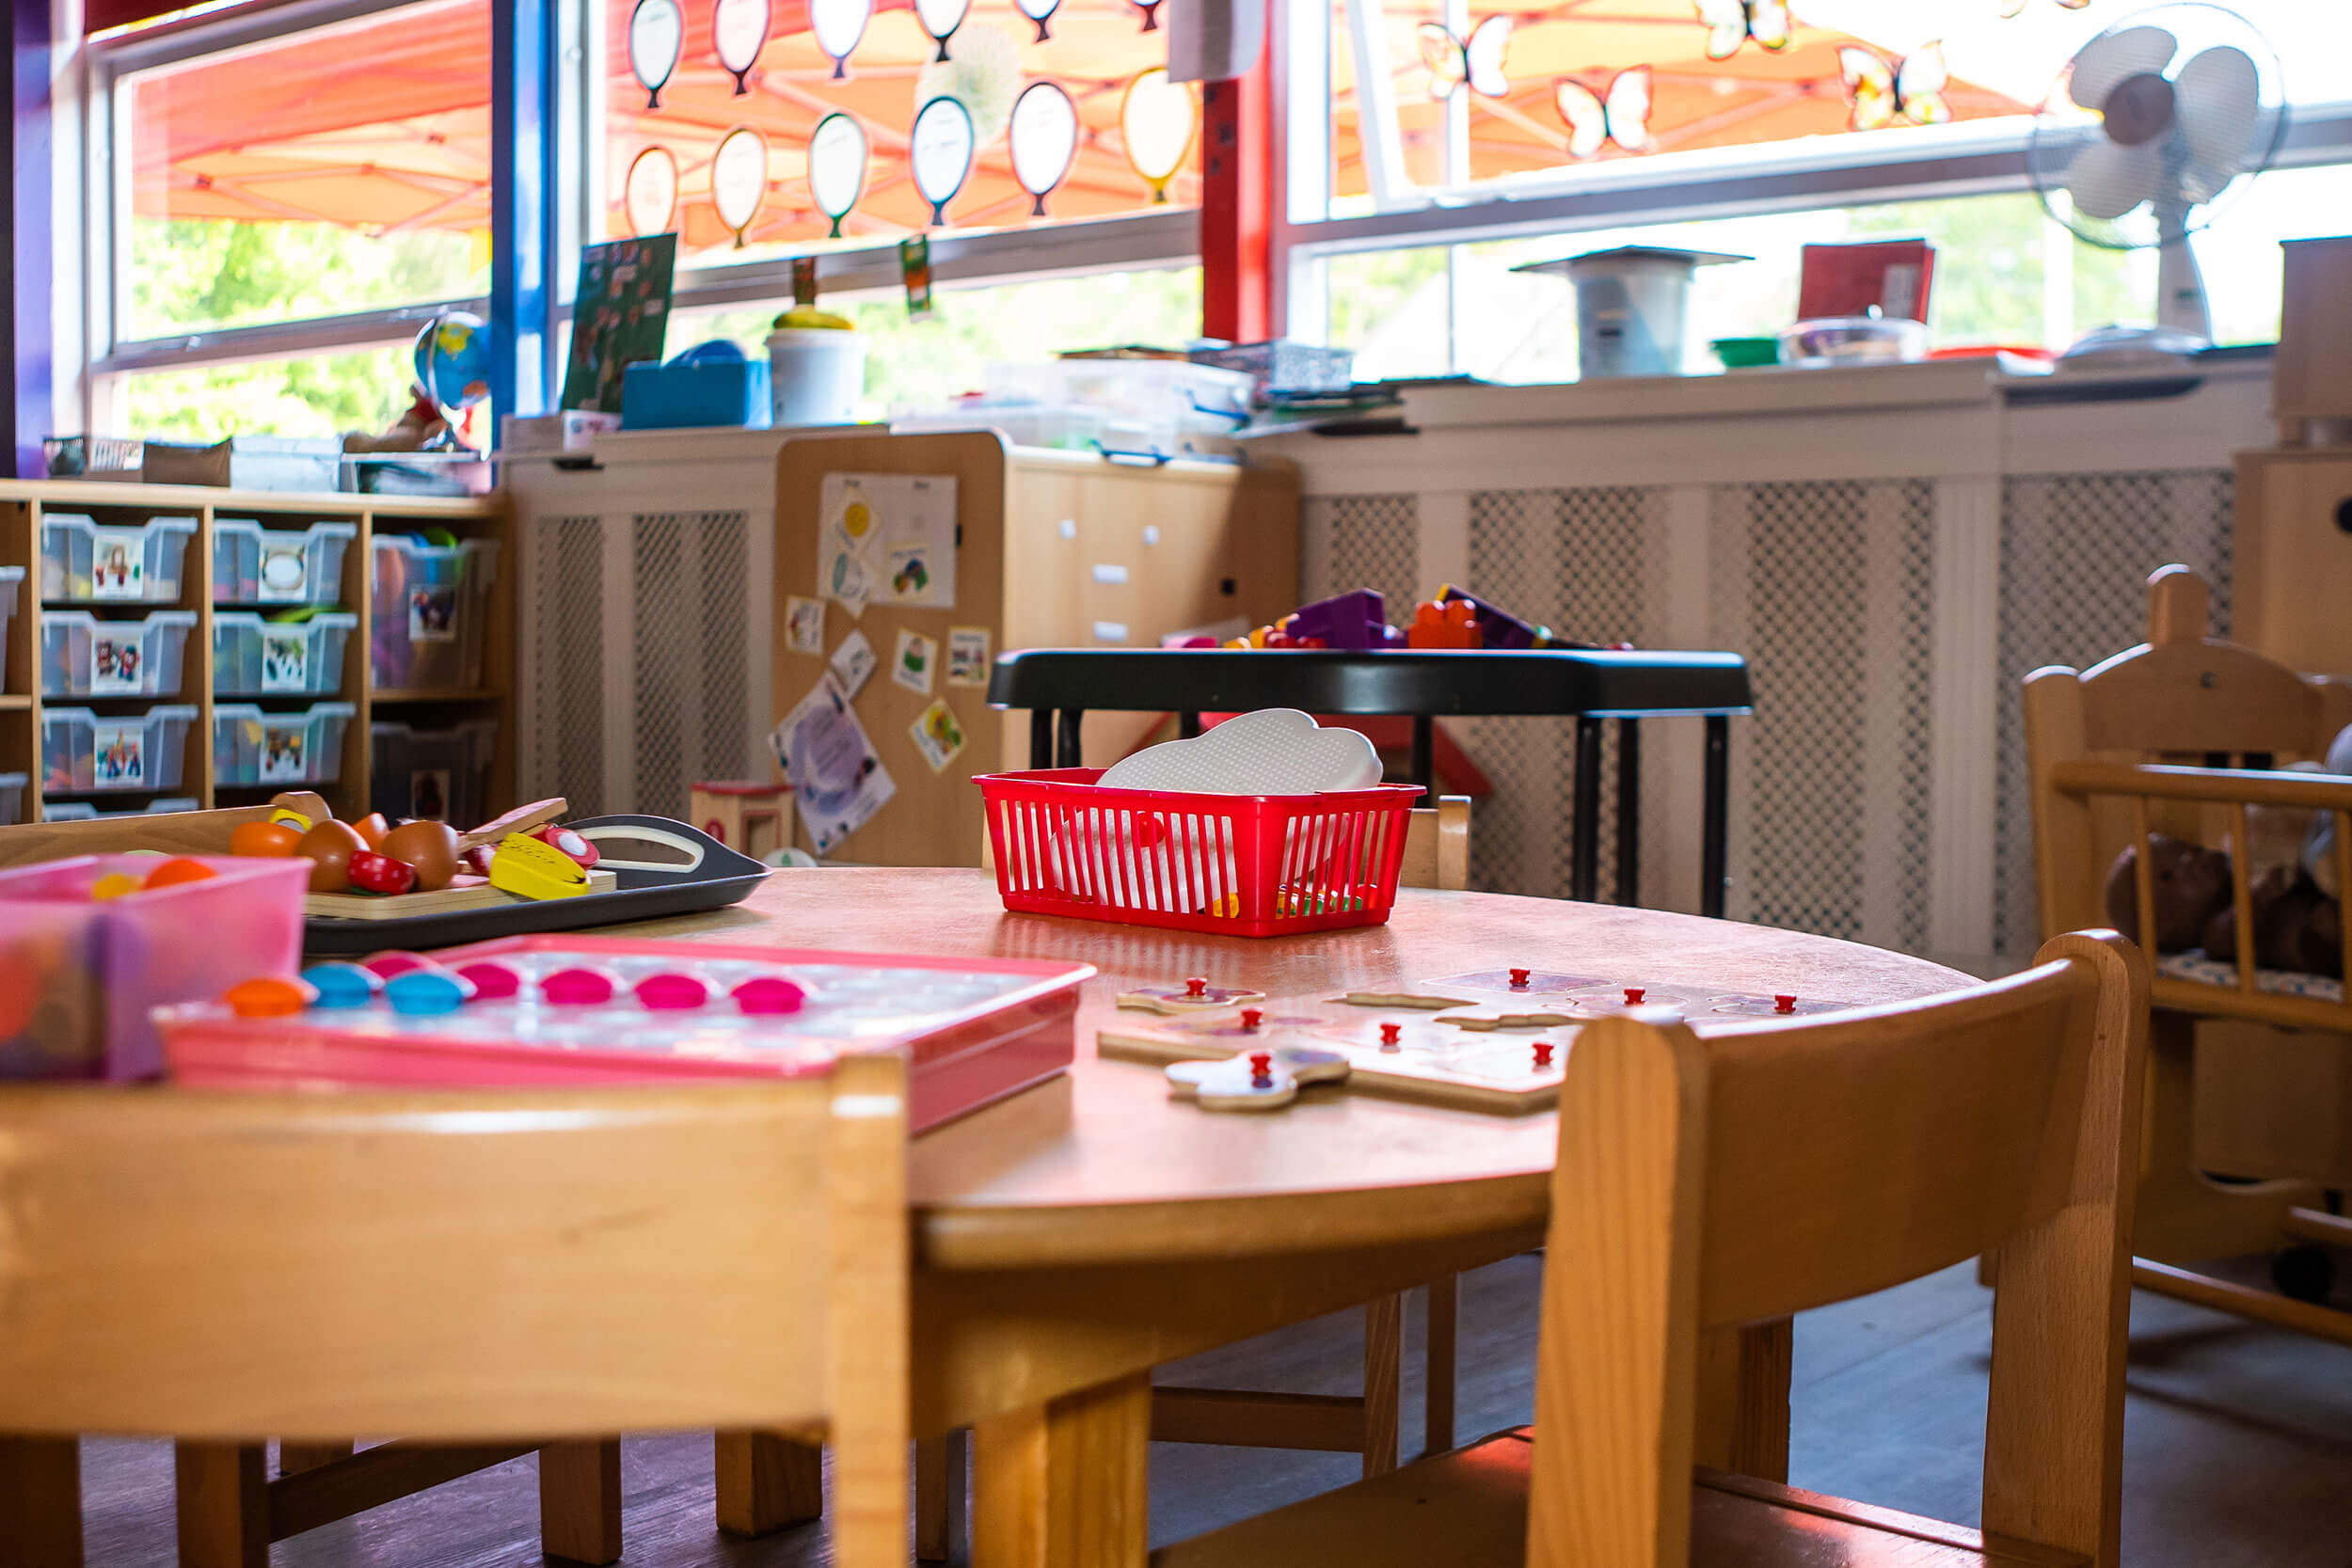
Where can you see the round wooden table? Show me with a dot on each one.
(1075, 1236)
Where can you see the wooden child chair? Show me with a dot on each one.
(462, 1268)
(2104, 747)
(1705, 1185)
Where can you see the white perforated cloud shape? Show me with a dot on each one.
(1275, 750)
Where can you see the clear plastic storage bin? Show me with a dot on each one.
(253, 656)
(443, 774)
(252, 565)
(82, 811)
(82, 655)
(83, 753)
(250, 747)
(1152, 391)
(12, 797)
(11, 590)
(84, 562)
(429, 604)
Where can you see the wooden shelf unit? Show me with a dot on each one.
(23, 503)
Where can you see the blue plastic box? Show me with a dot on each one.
(676, 396)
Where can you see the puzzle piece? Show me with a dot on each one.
(1242, 1083)
(1195, 996)
(1512, 982)
(1400, 999)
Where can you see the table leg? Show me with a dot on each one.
(1188, 726)
(1384, 1371)
(1425, 757)
(1066, 1485)
(1437, 1358)
(223, 1502)
(1066, 738)
(1584, 829)
(1743, 1400)
(1715, 825)
(767, 1482)
(41, 1502)
(1629, 812)
(579, 1500)
(1040, 738)
(939, 1500)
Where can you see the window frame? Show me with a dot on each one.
(1161, 238)
(1957, 160)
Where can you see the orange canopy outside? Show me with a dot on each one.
(382, 124)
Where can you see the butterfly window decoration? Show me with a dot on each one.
(2017, 7)
(1731, 24)
(1884, 92)
(1618, 113)
(1477, 60)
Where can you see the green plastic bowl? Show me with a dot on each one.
(1739, 354)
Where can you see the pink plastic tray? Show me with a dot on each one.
(973, 1030)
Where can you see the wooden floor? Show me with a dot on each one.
(2239, 1443)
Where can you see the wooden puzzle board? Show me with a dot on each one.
(464, 893)
(1435, 1059)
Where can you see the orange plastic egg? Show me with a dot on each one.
(178, 869)
(372, 828)
(273, 839)
(268, 996)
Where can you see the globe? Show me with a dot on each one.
(452, 360)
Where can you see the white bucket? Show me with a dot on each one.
(1631, 307)
(815, 374)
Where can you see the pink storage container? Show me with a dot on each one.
(78, 977)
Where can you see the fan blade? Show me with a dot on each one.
(2109, 181)
(2201, 183)
(2106, 59)
(2220, 97)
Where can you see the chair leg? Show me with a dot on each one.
(939, 1501)
(1742, 1378)
(1384, 1358)
(1438, 1381)
(579, 1500)
(223, 1501)
(1066, 1483)
(41, 1502)
(767, 1482)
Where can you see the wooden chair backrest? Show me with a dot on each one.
(490, 1265)
(1710, 1184)
(2182, 696)
(1437, 846)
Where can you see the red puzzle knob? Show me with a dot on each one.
(1784, 1003)
(1518, 978)
(1262, 1070)
(1633, 996)
(1197, 986)
(1252, 1018)
(1390, 1034)
(1543, 1052)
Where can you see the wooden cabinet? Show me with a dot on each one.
(1056, 550)
(23, 506)
(2291, 592)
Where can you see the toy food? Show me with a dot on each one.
(112, 885)
(372, 828)
(529, 869)
(430, 847)
(329, 847)
(371, 872)
(569, 842)
(286, 816)
(272, 839)
(178, 869)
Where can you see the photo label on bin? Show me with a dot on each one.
(282, 751)
(115, 665)
(285, 574)
(117, 563)
(119, 753)
(285, 661)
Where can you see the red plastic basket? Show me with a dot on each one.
(1236, 865)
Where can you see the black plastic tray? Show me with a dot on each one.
(661, 867)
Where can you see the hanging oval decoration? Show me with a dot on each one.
(738, 179)
(649, 195)
(1043, 134)
(1037, 11)
(1157, 121)
(940, 19)
(1150, 10)
(838, 25)
(938, 151)
(739, 31)
(657, 35)
(836, 167)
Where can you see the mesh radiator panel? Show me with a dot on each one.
(566, 676)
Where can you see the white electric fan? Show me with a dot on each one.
(2149, 129)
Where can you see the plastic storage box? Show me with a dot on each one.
(443, 774)
(252, 565)
(694, 394)
(11, 590)
(82, 655)
(250, 747)
(90, 973)
(12, 797)
(82, 811)
(82, 753)
(1151, 390)
(429, 602)
(253, 656)
(84, 562)
(1238, 865)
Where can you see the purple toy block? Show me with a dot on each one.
(1356, 621)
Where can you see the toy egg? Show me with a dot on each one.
(329, 848)
(430, 847)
